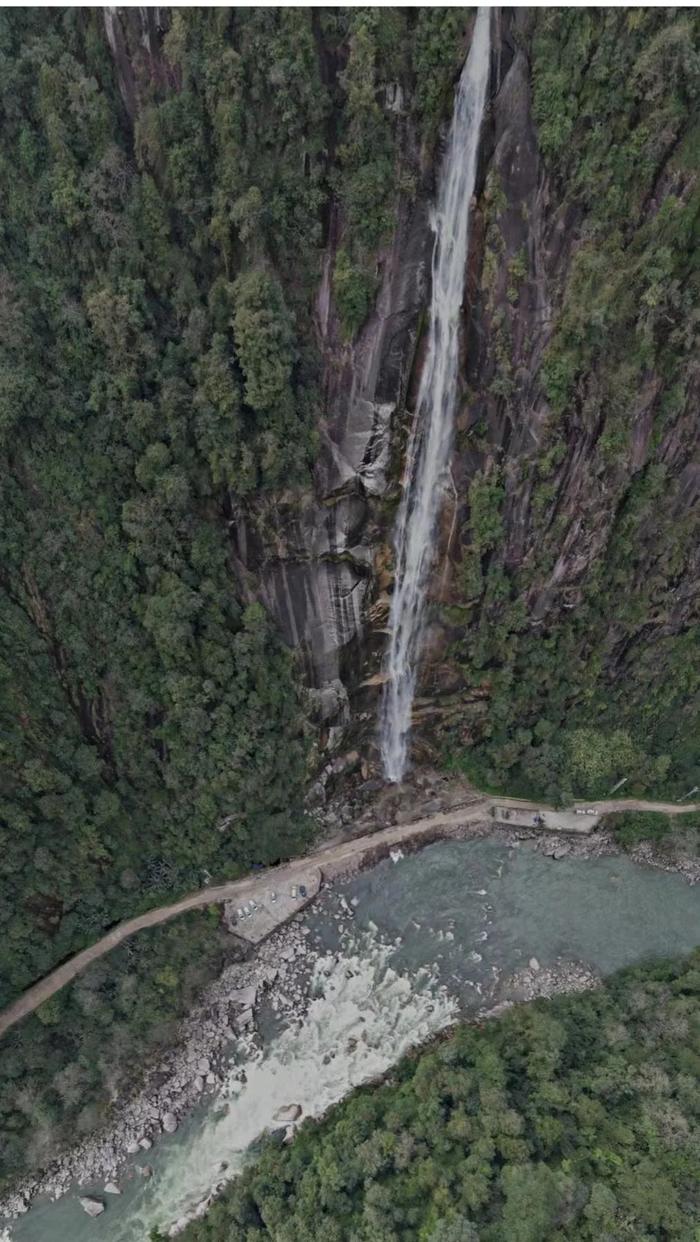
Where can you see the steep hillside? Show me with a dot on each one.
(214, 267)
(574, 589)
(169, 183)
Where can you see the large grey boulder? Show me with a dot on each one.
(290, 1112)
(93, 1207)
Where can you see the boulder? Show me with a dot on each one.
(93, 1207)
(290, 1112)
(132, 1147)
(169, 1123)
(203, 1065)
(145, 1170)
(145, 1144)
(111, 1188)
(244, 998)
(533, 964)
(244, 1020)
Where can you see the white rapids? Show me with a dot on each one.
(431, 438)
(362, 1017)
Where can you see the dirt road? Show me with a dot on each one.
(333, 860)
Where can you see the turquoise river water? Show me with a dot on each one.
(433, 937)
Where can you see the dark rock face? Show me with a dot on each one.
(559, 523)
(312, 555)
(586, 492)
(135, 39)
(319, 560)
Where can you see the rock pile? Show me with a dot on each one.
(219, 1032)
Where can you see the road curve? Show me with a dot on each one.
(332, 859)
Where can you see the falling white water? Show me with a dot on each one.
(429, 447)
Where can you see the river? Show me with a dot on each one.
(395, 954)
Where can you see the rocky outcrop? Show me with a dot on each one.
(92, 1207)
(309, 557)
(291, 1112)
(319, 559)
(135, 38)
(319, 562)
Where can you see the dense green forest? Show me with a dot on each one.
(162, 235)
(159, 259)
(566, 1120)
(67, 1066)
(144, 702)
(605, 681)
(157, 368)
(631, 827)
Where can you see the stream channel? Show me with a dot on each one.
(395, 954)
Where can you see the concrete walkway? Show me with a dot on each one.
(331, 861)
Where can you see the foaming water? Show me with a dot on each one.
(429, 447)
(363, 1015)
(467, 915)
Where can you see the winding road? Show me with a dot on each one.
(332, 860)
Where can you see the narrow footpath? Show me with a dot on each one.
(331, 860)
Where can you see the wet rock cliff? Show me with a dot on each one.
(571, 503)
(316, 555)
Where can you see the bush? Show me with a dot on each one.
(354, 287)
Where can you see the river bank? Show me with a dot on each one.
(201, 1059)
(222, 1033)
(409, 814)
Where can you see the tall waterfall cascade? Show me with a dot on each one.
(431, 439)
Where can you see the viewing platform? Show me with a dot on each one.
(580, 820)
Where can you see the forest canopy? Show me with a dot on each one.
(566, 1120)
(161, 223)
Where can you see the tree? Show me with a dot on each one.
(264, 337)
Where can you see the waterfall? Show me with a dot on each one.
(431, 438)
